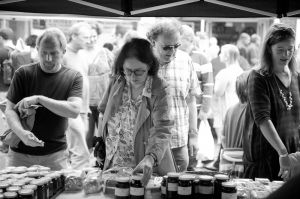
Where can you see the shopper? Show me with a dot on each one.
(175, 66)
(134, 117)
(58, 90)
(274, 105)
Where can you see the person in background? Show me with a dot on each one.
(254, 50)
(58, 91)
(80, 36)
(205, 78)
(99, 70)
(243, 43)
(109, 46)
(274, 104)
(224, 88)
(176, 67)
(31, 41)
(135, 119)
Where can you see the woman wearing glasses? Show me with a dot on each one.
(135, 114)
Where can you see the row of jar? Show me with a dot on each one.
(187, 186)
(42, 187)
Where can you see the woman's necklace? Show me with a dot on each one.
(283, 97)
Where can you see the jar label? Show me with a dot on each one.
(172, 186)
(137, 191)
(184, 190)
(229, 195)
(204, 189)
(163, 190)
(121, 192)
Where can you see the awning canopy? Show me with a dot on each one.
(155, 8)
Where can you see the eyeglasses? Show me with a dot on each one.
(170, 47)
(137, 72)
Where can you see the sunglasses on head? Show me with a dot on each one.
(170, 47)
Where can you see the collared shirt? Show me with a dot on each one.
(183, 82)
(120, 139)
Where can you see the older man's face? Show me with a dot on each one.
(165, 47)
(50, 54)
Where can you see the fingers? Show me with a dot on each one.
(33, 141)
(147, 172)
(191, 149)
(280, 172)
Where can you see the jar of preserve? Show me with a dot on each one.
(122, 190)
(41, 188)
(172, 185)
(219, 178)
(163, 187)
(185, 184)
(33, 187)
(229, 190)
(204, 187)
(49, 186)
(26, 194)
(137, 190)
(10, 195)
(4, 186)
(1, 196)
(13, 189)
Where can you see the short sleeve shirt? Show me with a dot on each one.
(31, 80)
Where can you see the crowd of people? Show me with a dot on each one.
(141, 105)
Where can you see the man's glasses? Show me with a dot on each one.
(137, 72)
(170, 47)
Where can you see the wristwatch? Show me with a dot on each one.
(154, 158)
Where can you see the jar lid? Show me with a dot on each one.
(37, 182)
(277, 182)
(30, 186)
(122, 179)
(3, 185)
(137, 177)
(13, 188)
(1, 191)
(221, 177)
(44, 169)
(205, 177)
(173, 175)
(229, 184)
(10, 195)
(18, 184)
(2, 178)
(26, 192)
(33, 174)
(32, 169)
(187, 177)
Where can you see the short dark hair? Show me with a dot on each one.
(31, 41)
(277, 33)
(140, 49)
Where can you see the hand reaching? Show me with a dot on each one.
(30, 139)
(285, 167)
(145, 166)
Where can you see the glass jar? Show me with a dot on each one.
(137, 190)
(185, 184)
(4, 186)
(1, 196)
(41, 188)
(172, 185)
(163, 187)
(10, 195)
(26, 194)
(203, 187)
(49, 187)
(229, 190)
(13, 189)
(219, 178)
(33, 187)
(122, 190)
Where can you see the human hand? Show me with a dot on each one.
(29, 139)
(193, 144)
(285, 167)
(145, 166)
(99, 150)
(26, 103)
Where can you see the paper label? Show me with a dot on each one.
(184, 191)
(204, 189)
(137, 191)
(172, 186)
(229, 195)
(121, 192)
(163, 190)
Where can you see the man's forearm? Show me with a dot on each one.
(14, 123)
(62, 108)
(192, 113)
